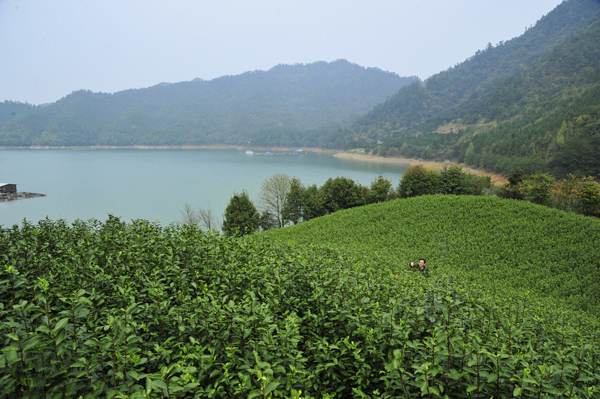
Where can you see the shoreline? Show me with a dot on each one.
(497, 179)
(168, 147)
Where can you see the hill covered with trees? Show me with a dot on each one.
(260, 107)
(531, 102)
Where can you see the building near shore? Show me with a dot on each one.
(8, 188)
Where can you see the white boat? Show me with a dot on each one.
(249, 152)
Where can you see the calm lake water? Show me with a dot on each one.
(156, 184)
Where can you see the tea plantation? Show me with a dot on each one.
(503, 246)
(137, 310)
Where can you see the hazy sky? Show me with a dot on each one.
(49, 48)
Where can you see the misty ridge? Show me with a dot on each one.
(249, 108)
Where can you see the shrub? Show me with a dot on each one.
(418, 180)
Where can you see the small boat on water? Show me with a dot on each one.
(297, 152)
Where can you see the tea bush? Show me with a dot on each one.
(141, 311)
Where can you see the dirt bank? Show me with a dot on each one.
(497, 179)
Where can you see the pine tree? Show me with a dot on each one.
(241, 217)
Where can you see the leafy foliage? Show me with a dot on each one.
(341, 193)
(381, 190)
(417, 180)
(305, 203)
(268, 221)
(581, 195)
(538, 188)
(292, 210)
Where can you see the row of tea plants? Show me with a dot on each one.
(137, 310)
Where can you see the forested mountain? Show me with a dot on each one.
(531, 102)
(255, 107)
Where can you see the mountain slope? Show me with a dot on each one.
(227, 110)
(505, 106)
(549, 116)
(544, 119)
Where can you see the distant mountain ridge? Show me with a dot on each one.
(228, 110)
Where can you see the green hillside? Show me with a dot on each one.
(531, 102)
(506, 246)
(260, 108)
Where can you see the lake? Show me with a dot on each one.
(155, 184)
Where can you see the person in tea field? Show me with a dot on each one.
(420, 267)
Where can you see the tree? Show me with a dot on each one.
(566, 193)
(470, 154)
(313, 203)
(380, 190)
(515, 177)
(341, 193)
(273, 195)
(512, 188)
(189, 215)
(294, 202)
(267, 221)
(418, 180)
(204, 217)
(207, 218)
(538, 188)
(588, 198)
(451, 180)
(240, 217)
